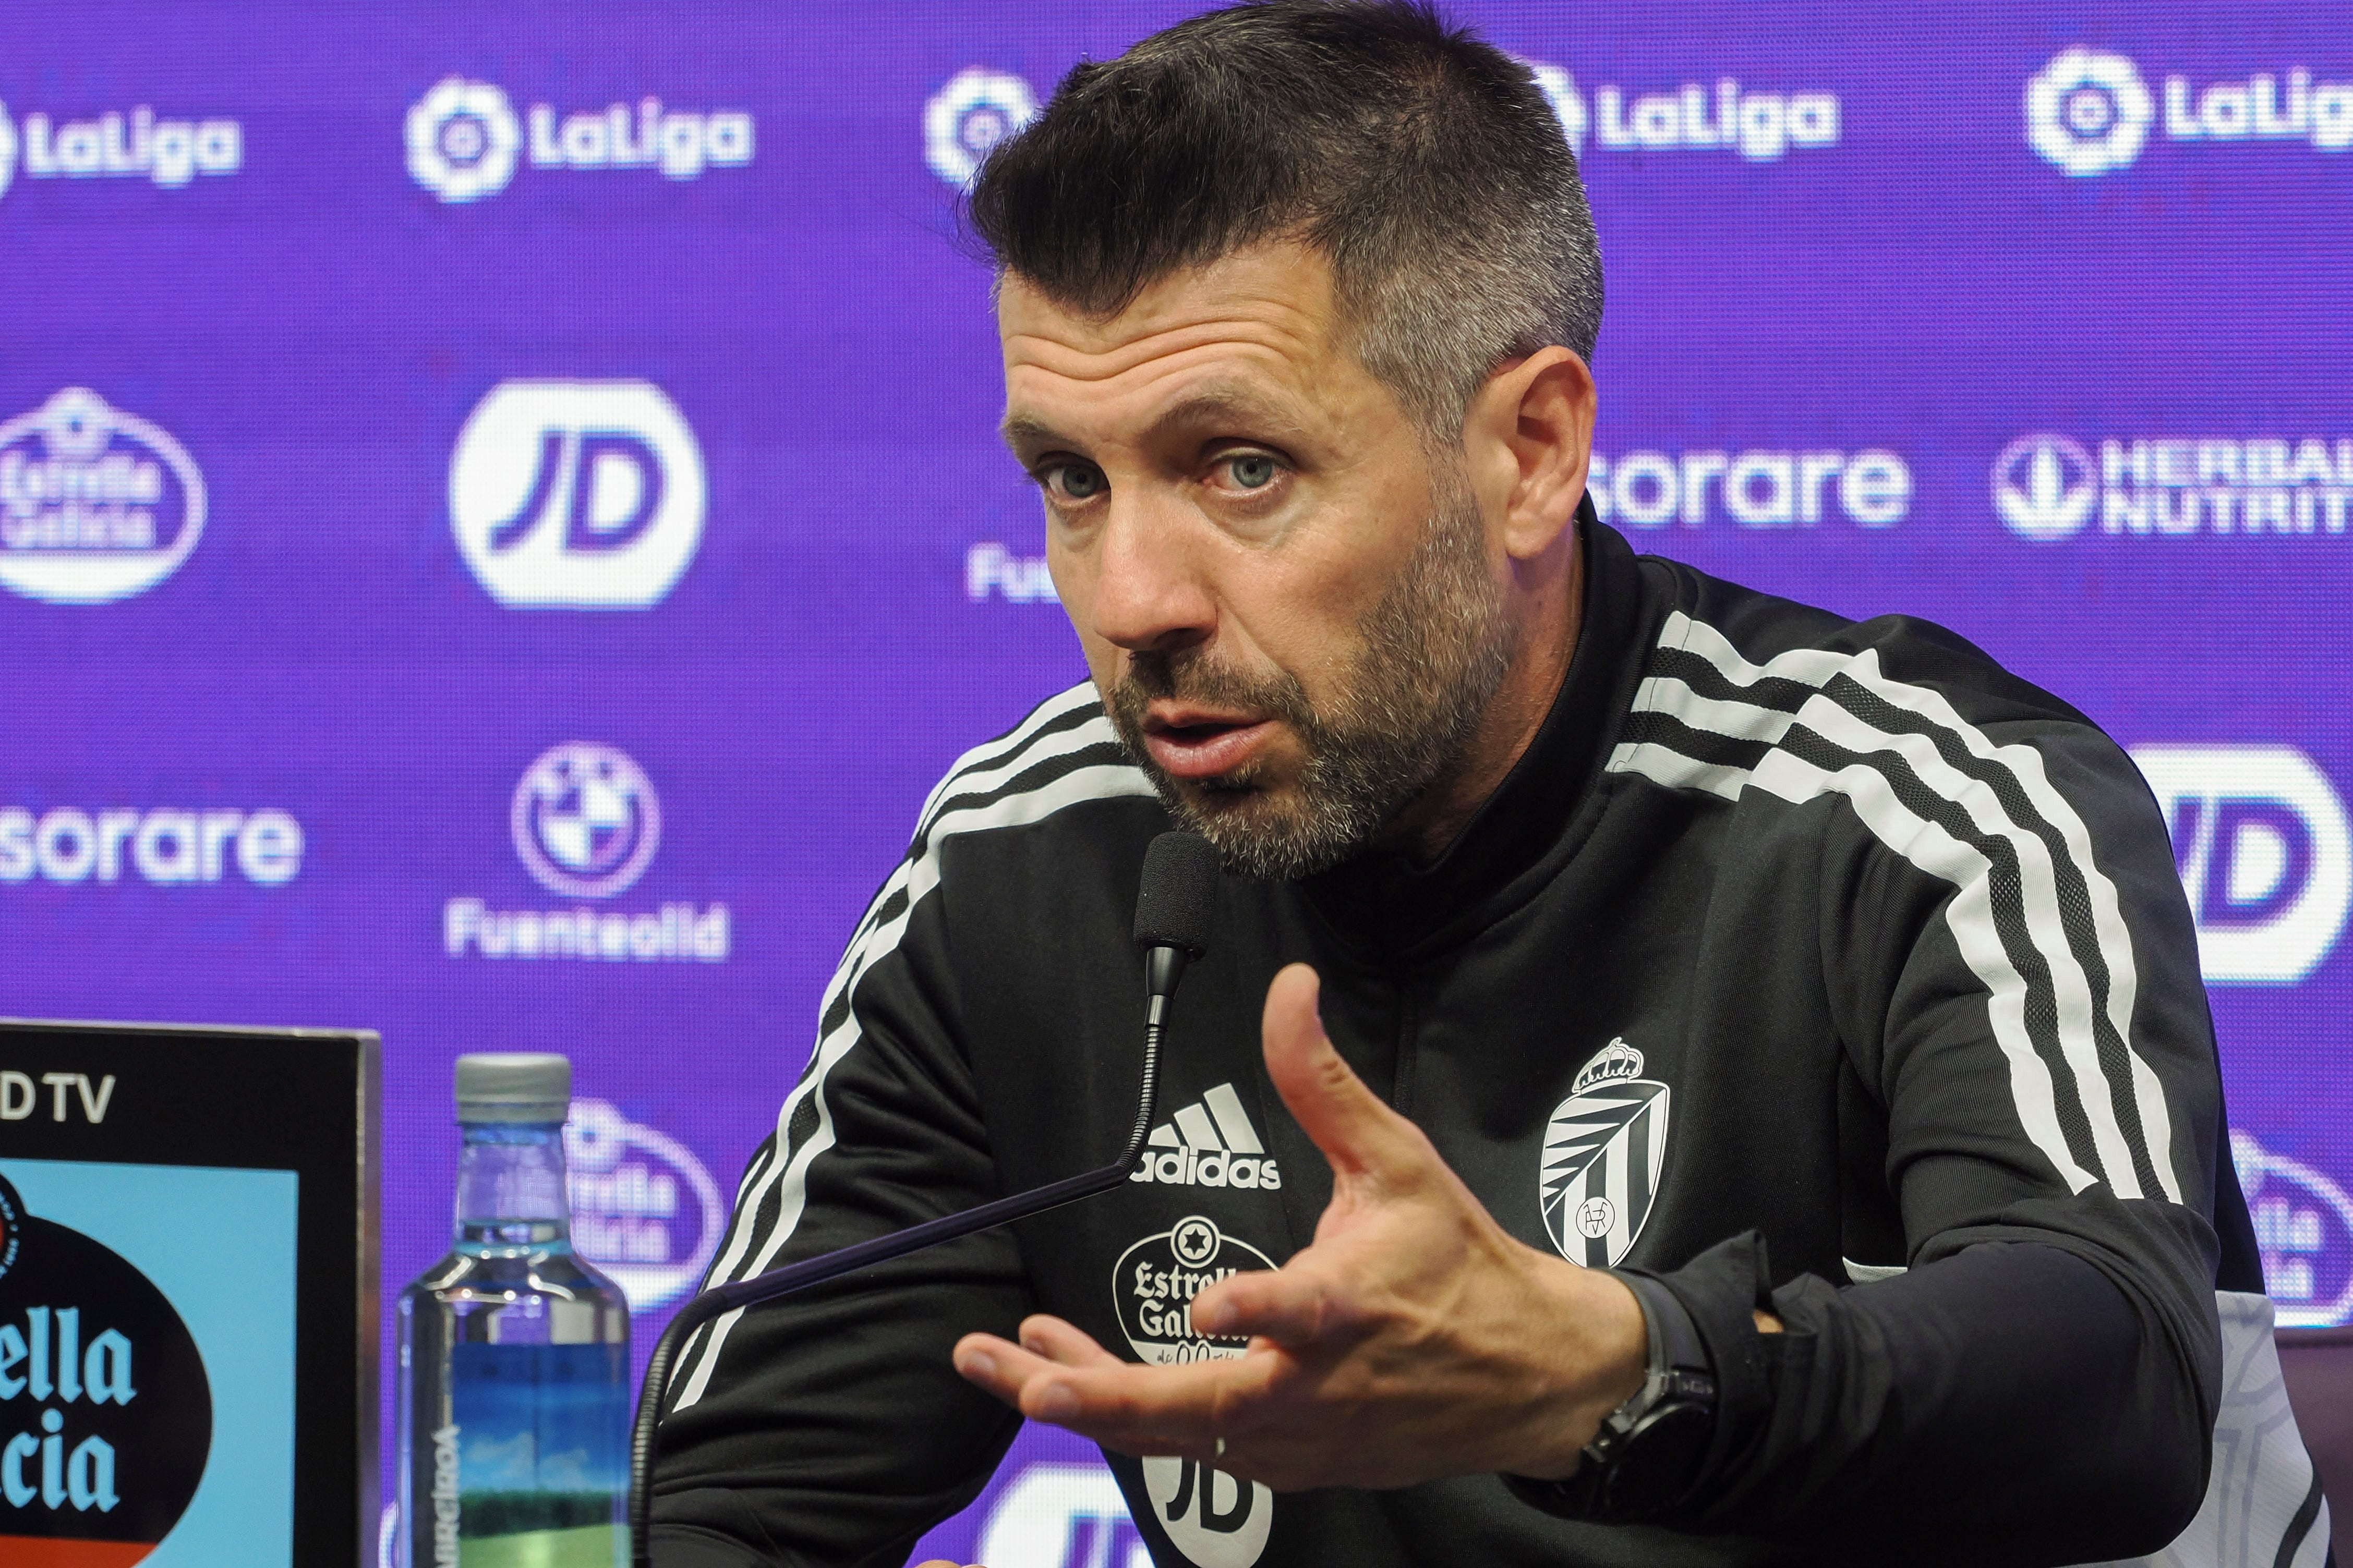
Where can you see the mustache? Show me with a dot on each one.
(1190, 674)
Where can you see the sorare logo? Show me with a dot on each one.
(96, 504)
(2261, 840)
(578, 494)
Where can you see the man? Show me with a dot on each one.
(1680, 1078)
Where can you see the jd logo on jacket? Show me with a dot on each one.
(1602, 1153)
(106, 1417)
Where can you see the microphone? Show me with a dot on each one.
(1174, 910)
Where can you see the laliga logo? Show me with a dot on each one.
(464, 137)
(2088, 111)
(965, 120)
(588, 494)
(636, 1192)
(462, 140)
(2045, 487)
(2303, 1226)
(95, 504)
(586, 820)
(2260, 841)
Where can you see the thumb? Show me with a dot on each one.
(1358, 1134)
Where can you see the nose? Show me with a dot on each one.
(1150, 594)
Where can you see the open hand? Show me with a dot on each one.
(1413, 1339)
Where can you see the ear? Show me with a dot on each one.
(1527, 438)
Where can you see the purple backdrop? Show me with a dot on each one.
(500, 525)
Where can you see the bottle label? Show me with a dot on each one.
(531, 1467)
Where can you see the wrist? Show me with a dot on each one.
(1600, 1338)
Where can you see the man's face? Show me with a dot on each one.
(1294, 615)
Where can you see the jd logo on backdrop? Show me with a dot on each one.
(2261, 840)
(578, 494)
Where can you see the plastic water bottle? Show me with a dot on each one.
(514, 1355)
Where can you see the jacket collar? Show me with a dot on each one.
(1383, 903)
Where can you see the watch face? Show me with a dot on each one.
(1650, 1466)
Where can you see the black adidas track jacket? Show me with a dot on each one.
(1809, 964)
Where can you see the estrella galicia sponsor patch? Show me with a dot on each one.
(1215, 1520)
(11, 1225)
(106, 1413)
(1154, 1281)
(1603, 1149)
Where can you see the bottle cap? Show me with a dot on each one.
(513, 1085)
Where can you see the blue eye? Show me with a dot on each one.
(1076, 481)
(1251, 470)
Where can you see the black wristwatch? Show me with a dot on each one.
(1646, 1450)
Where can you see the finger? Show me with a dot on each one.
(1137, 1409)
(1347, 1121)
(1290, 1306)
(1063, 1343)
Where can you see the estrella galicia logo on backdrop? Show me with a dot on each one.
(1722, 116)
(2262, 843)
(465, 140)
(2304, 1227)
(106, 1416)
(96, 504)
(644, 1210)
(166, 153)
(585, 822)
(2090, 111)
(965, 120)
(1604, 1148)
(2047, 487)
(578, 494)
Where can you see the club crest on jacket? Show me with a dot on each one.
(1603, 1149)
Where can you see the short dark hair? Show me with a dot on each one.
(1422, 160)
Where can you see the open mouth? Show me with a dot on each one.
(1191, 744)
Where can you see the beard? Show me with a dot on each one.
(1432, 651)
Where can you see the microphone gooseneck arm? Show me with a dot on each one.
(1165, 954)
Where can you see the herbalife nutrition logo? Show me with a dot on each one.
(1209, 1143)
(2048, 487)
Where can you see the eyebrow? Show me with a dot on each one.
(1227, 403)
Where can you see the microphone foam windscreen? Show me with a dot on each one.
(1179, 894)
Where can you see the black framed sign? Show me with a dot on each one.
(187, 1295)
